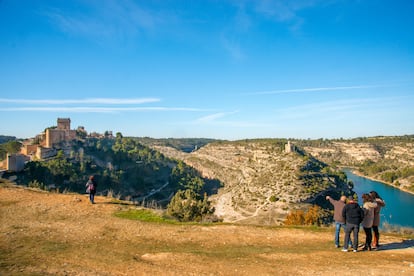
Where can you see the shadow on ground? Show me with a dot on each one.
(397, 245)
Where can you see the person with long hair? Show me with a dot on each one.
(380, 203)
(368, 207)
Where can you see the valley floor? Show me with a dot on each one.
(63, 234)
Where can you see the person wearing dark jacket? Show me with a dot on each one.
(91, 188)
(353, 215)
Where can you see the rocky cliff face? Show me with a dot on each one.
(261, 183)
(346, 153)
(389, 159)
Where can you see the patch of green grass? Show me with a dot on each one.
(311, 228)
(143, 215)
(18, 256)
(13, 263)
(147, 215)
(54, 247)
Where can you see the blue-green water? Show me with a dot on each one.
(399, 209)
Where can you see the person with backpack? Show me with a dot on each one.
(353, 215)
(91, 188)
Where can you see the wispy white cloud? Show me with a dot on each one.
(100, 109)
(316, 89)
(341, 108)
(214, 117)
(279, 10)
(282, 10)
(233, 47)
(243, 124)
(105, 19)
(89, 105)
(106, 101)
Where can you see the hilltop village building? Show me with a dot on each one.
(44, 145)
(49, 140)
(16, 162)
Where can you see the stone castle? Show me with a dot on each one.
(62, 133)
(48, 142)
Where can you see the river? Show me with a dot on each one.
(399, 209)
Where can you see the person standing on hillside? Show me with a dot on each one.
(353, 216)
(91, 188)
(380, 203)
(368, 207)
(339, 220)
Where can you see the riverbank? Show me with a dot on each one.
(358, 173)
(399, 204)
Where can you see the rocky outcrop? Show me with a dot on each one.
(346, 153)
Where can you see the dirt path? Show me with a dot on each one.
(57, 234)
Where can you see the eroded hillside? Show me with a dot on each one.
(387, 159)
(261, 183)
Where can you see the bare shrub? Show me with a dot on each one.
(110, 194)
(295, 217)
(128, 198)
(314, 215)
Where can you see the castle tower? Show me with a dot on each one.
(59, 134)
(289, 147)
(63, 123)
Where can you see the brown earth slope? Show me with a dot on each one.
(62, 234)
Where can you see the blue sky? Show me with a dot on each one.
(231, 69)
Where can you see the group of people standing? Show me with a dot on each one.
(349, 216)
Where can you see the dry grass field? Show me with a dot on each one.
(63, 234)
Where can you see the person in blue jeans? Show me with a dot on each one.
(339, 220)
